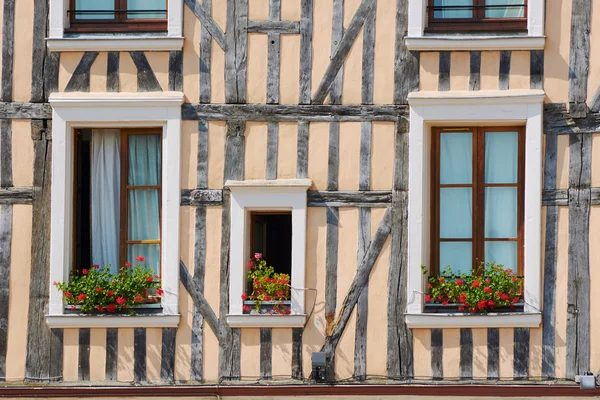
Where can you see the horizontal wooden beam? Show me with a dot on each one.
(560, 197)
(285, 27)
(293, 113)
(201, 197)
(16, 195)
(558, 120)
(20, 110)
(377, 198)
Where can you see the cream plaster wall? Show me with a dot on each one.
(23, 51)
(22, 151)
(556, 53)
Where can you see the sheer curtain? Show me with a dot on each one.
(88, 5)
(147, 5)
(106, 183)
(504, 12)
(465, 12)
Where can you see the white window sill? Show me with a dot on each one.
(112, 43)
(113, 321)
(490, 320)
(266, 321)
(455, 42)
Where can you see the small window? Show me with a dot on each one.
(272, 237)
(477, 198)
(118, 15)
(477, 15)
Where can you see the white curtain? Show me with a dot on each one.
(505, 12)
(106, 183)
(147, 5)
(463, 12)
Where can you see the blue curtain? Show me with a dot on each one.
(513, 9)
(463, 12)
(89, 5)
(146, 5)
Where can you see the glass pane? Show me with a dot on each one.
(500, 212)
(95, 9)
(144, 214)
(151, 253)
(146, 9)
(456, 157)
(505, 8)
(456, 9)
(501, 157)
(504, 253)
(144, 160)
(456, 212)
(457, 255)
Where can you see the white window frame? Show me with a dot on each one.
(418, 40)
(266, 195)
(486, 107)
(114, 110)
(59, 21)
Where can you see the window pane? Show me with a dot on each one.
(456, 157)
(456, 212)
(150, 251)
(509, 9)
(459, 12)
(504, 253)
(501, 157)
(147, 9)
(94, 5)
(144, 160)
(457, 255)
(143, 214)
(500, 212)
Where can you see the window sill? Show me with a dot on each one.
(113, 321)
(115, 43)
(474, 42)
(490, 320)
(266, 321)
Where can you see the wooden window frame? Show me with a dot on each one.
(477, 23)
(119, 23)
(478, 184)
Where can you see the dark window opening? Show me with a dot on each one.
(272, 236)
(83, 211)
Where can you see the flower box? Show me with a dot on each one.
(267, 307)
(437, 308)
(142, 309)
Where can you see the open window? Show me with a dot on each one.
(117, 15)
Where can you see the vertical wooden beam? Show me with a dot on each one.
(6, 223)
(112, 353)
(241, 46)
(444, 72)
(40, 25)
(302, 162)
(56, 355)
(167, 362)
(504, 77)
(333, 160)
(274, 51)
(466, 353)
(297, 353)
(176, 70)
(80, 80)
(536, 69)
(266, 353)
(146, 80)
(437, 351)
(337, 32)
(84, 354)
(331, 261)
(579, 58)
(205, 56)
(112, 71)
(493, 350)
(51, 66)
(521, 353)
(139, 355)
(475, 71)
(306, 32)
(406, 63)
(8, 33)
(272, 149)
(6, 153)
(199, 272)
(362, 307)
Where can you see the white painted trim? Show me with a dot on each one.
(113, 321)
(266, 321)
(96, 43)
(284, 194)
(491, 320)
(428, 109)
(103, 110)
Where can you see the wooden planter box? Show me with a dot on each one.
(266, 307)
(434, 308)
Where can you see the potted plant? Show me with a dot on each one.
(97, 291)
(269, 290)
(495, 289)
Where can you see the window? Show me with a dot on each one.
(477, 198)
(118, 15)
(272, 237)
(476, 15)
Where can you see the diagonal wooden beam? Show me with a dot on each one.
(80, 80)
(146, 79)
(344, 47)
(209, 23)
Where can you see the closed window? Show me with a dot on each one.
(477, 15)
(118, 15)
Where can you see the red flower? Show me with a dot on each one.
(68, 294)
(440, 297)
(109, 293)
(476, 283)
(244, 297)
(488, 281)
(73, 308)
(287, 311)
(140, 258)
(81, 297)
(512, 307)
(279, 294)
(258, 256)
(113, 283)
(514, 279)
(462, 298)
(515, 300)
(54, 283)
(121, 300)
(159, 291)
(84, 271)
(491, 304)
(445, 303)
(482, 304)
(99, 308)
(156, 277)
(504, 297)
(508, 271)
(487, 289)
(429, 286)
(149, 279)
(461, 308)
(459, 282)
(247, 309)
(267, 298)
(441, 280)
(473, 310)
(138, 298)
(428, 298)
(98, 289)
(96, 266)
(111, 308)
(127, 264)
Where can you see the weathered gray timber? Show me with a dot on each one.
(302, 161)
(112, 71)
(337, 32)
(274, 53)
(342, 50)
(112, 353)
(83, 370)
(331, 264)
(16, 195)
(38, 58)
(51, 66)
(205, 56)
(444, 72)
(199, 272)
(272, 149)
(6, 153)
(6, 223)
(504, 77)
(290, 112)
(437, 353)
(20, 110)
(201, 197)
(536, 69)
(373, 198)
(595, 103)
(202, 166)
(493, 349)
(56, 355)
(558, 120)
(560, 197)
(362, 306)
(297, 353)
(549, 310)
(279, 27)
(406, 63)
(475, 70)
(8, 33)
(139, 355)
(146, 80)
(266, 353)
(521, 353)
(578, 297)
(207, 22)
(306, 31)
(80, 80)
(579, 58)
(368, 57)
(199, 300)
(176, 70)
(333, 160)
(167, 362)
(466, 353)
(241, 47)
(364, 179)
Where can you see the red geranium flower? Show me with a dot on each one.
(98, 289)
(138, 298)
(482, 304)
(508, 271)
(441, 280)
(461, 308)
(473, 310)
(459, 282)
(428, 298)
(73, 308)
(121, 300)
(429, 286)
(81, 297)
(85, 271)
(244, 297)
(109, 293)
(68, 294)
(149, 279)
(127, 264)
(445, 303)
(515, 300)
(159, 291)
(487, 289)
(491, 304)
(247, 309)
(287, 311)
(476, 283)
(111, 308)
(504, 297)
(54, 283)
(488, 281)
(156, 276)
(258, 256)
(140, 258)
(462, 298)
(267, 298)
(514, 279)
(96, 266)
(99, 308)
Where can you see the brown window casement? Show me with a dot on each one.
(477, 198)
(477, 16)
(97, 16)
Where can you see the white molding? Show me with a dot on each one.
(266, 321)
(428, 109)
(104, 110)
(279, 194)
(99, 43)
(490, 320)
(113, 321)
